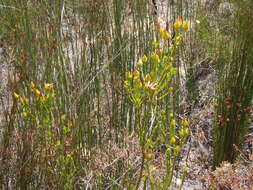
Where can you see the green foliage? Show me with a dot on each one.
(114, 90)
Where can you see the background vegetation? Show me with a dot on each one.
(108, 94)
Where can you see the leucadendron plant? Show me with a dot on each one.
(46, 138)
(147, 86)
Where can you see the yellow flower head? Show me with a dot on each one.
(63, 117)
(126, 84)
(173, 123)
(166, 35)
(147, 78)
(186, 25)
(155, 44)
(24, 114)
(170, 89)
(178, 39)
(168, 150)
(37, 92)
(154, 56)
(144, 58)
(181, 133)
(48, 86)
(138, 83)
(32, 85)
(15, 95)
(148, 156)
(177, 149)
(140, 63)
(136, 73)
(172, 140)
(161, 32)
(186, 131)
(128, 75)
(69, 124)
(24, 100)
(184, 123)
(178, 24)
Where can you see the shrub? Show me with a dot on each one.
(148, 85)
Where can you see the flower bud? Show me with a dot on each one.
(15, 95)
(185, 25)
(172, 140)
(144, 58)
(48, 86)
(166, 35)
(148, 156)
(140, 63)
(154, 56)
(32, 85)
(184, 123)
(177, 149)
(128, 75)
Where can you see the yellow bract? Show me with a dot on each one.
(15, 95)
(186, 131)
(161, 32)
(128, 75)
(177, 149)
(138, 83)
(178, 24)
(148, 156)
(172, 140)
(37, 92)
(147, 78)
(144, 58)
(24, 100)
(140, 63)
(32, 84)
(178, 39)
(166, 35)
(48, 86)
(173, 123)
(184, 123)
(69, 124)
(136, 73)
(63, 117)
(24, 114)
(154, 56)
(186, 25)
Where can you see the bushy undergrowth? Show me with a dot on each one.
(94, 93)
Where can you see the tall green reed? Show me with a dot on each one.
(76, 46)
(234, 86)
